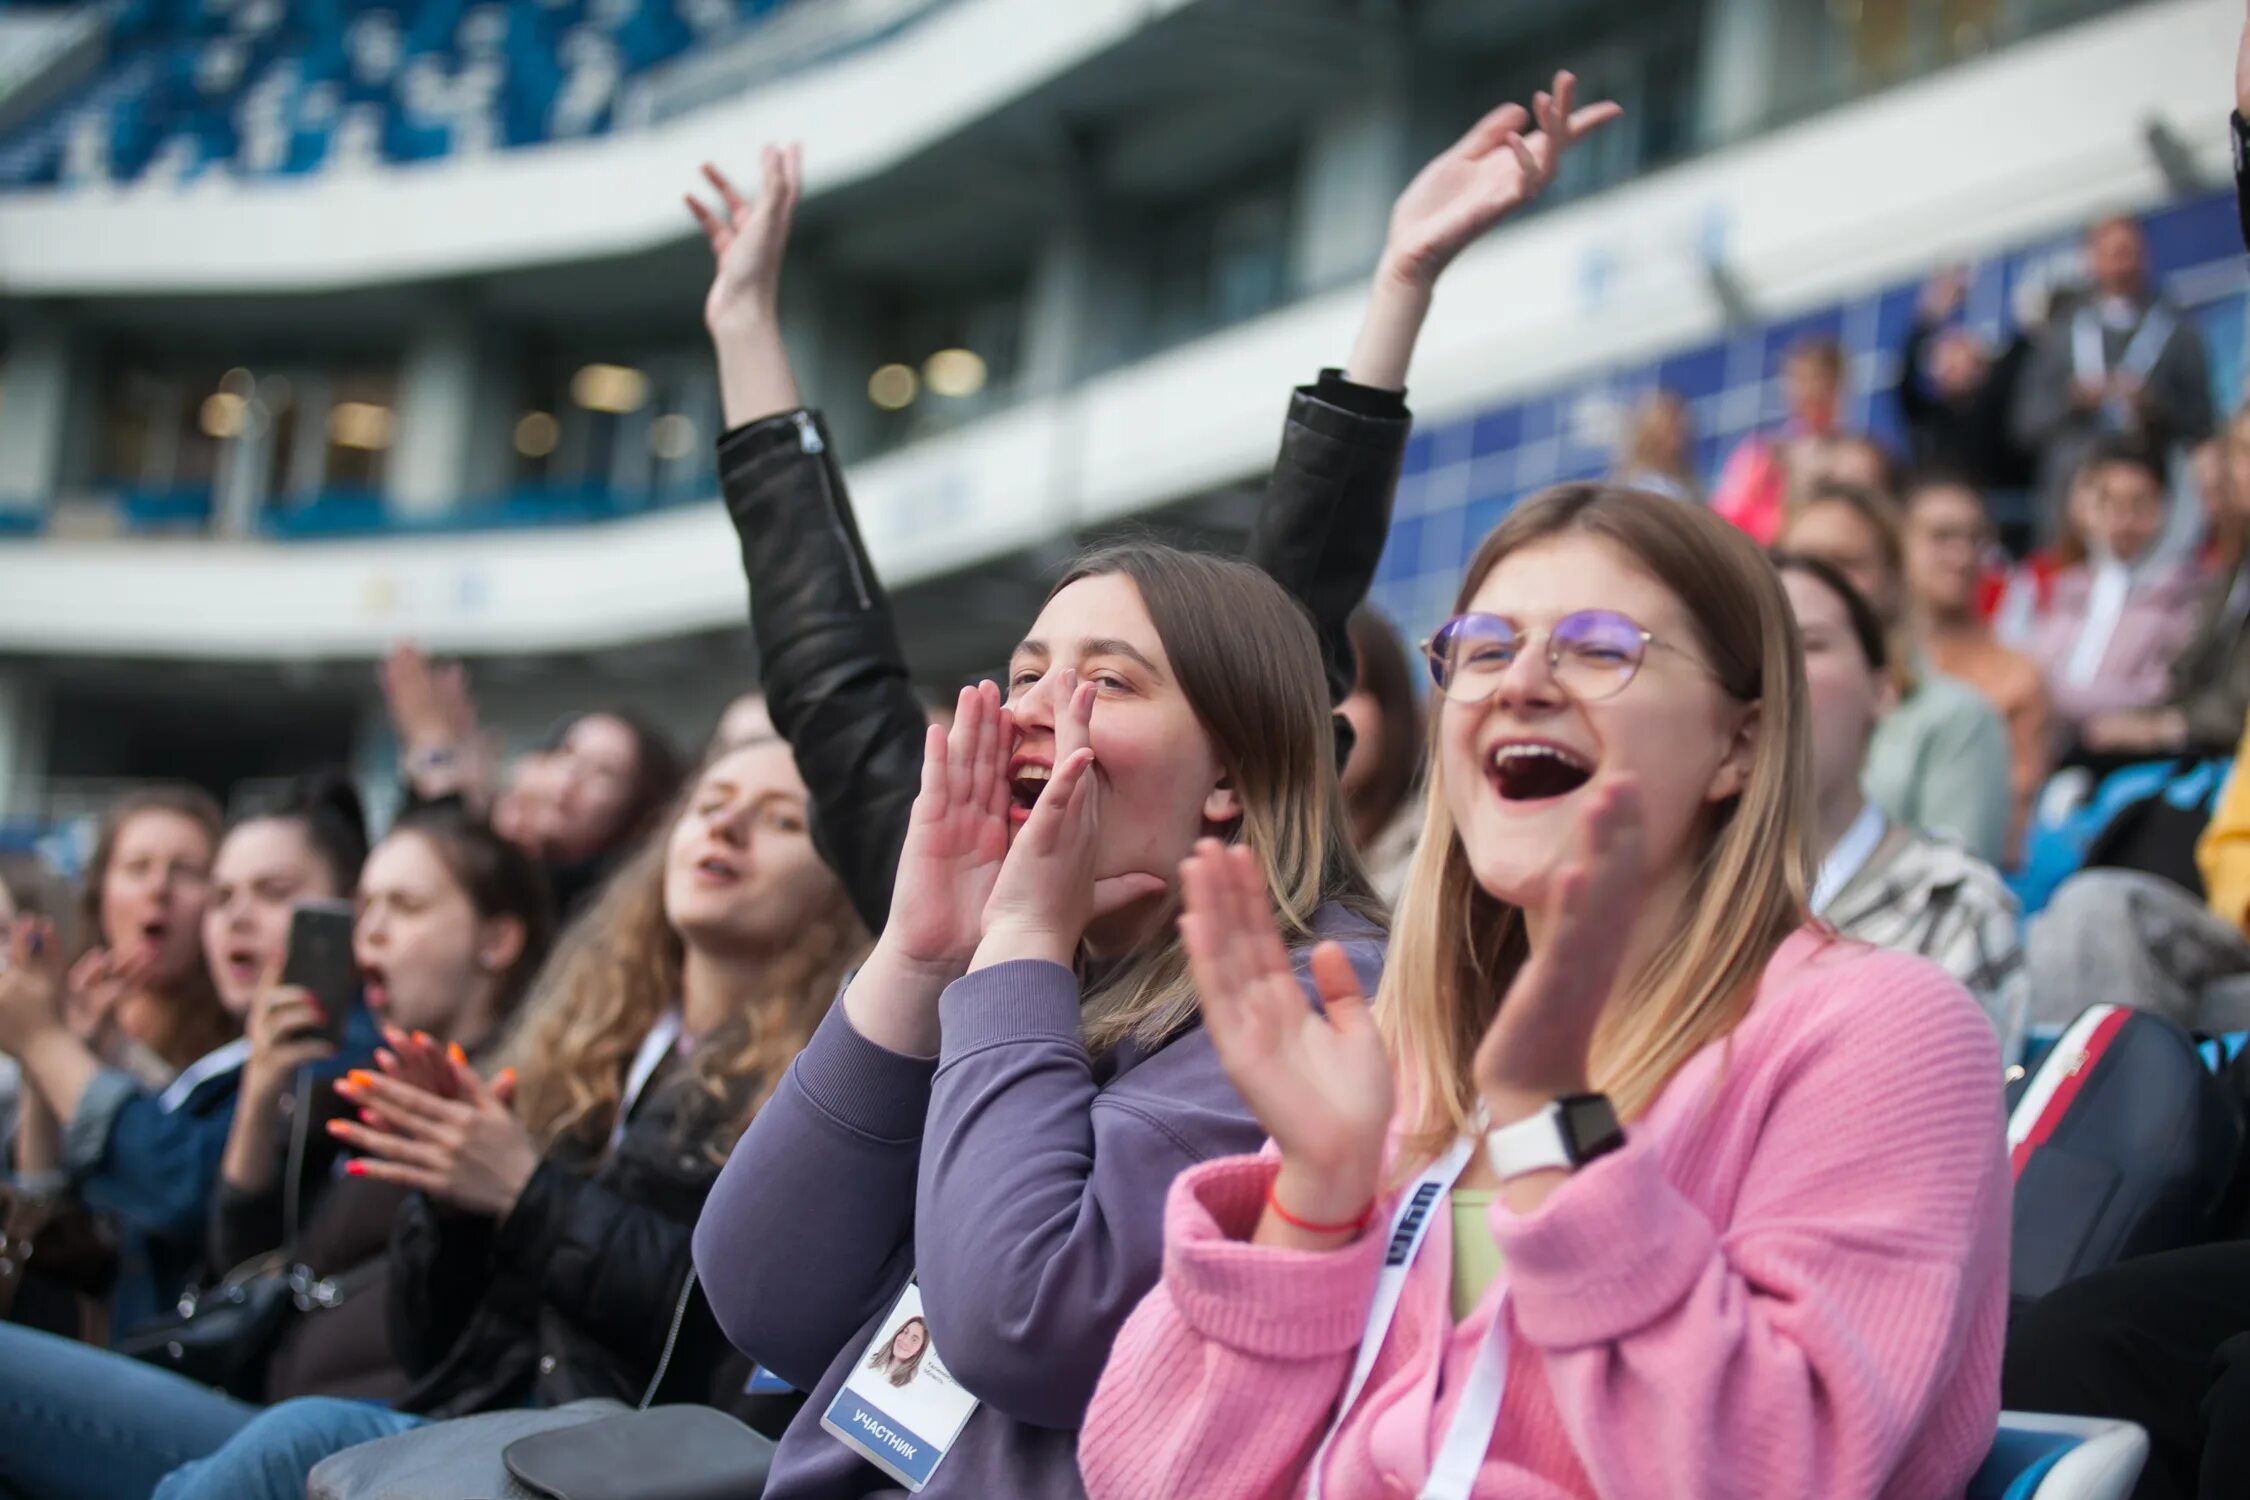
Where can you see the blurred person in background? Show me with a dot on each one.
(745, 719)
(28, 888)
(1766, 469)
(1877, 881)
(1939, 762)
(2118, 617)
(1956, 397)
(2224, 522)
(543, 1253)
(1658, 454)
(146, 1158)
(579, 801)
(1381, 776)
(443, 905)
(2116, 360)
(1948, 535)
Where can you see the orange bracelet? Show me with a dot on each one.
(1353, 1226)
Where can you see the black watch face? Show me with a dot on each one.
(1590, 1127)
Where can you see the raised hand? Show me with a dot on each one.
(31, 983)
(1483, 177)
(96, 989)
(1048, 890)
(748, 239)
(1537, 1048)
(469, 1151)
(1319, 1084)
(956, 836)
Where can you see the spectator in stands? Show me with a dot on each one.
(544, 1253)
(1787, 1273)
(1879, 882)
(837, 686)
(128, 1068)
(1658, 454)
(2207, 689)
(1955, 395)
(443, 904)
(1939, 763)
(2223, 515)
(27, 889)
(600, 780)
(2117, 360)
(2118, 618)
(1380, 779)
(1765, 469)
(1948, 535)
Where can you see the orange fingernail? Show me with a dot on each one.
(360, 1078)
(424, 1038)
(453, 1050)
(507, 1075)
(339, 1127)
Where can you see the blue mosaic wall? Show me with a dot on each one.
(1461, 477)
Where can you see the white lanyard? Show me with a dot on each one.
(2105, 606)
(1848, 858)
(660, 1040)
(2137, 358)
(1469, 1435)
(210, 1065)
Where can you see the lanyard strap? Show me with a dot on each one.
(660, 1040)
(1410, 1226)
(2137, 358)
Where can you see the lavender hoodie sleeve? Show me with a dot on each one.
(810, 1226)
(1041, 1220)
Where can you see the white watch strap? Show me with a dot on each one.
(1530, 1145)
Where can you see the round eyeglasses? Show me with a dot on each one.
(1591, 654)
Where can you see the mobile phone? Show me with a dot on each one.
(320, 960)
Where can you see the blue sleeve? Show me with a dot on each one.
(152, 1168)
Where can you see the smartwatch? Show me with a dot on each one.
(1567, 1134)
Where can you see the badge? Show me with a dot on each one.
(900, 1408)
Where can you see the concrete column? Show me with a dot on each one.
(1353, 167)
(23, 742)
(1743, 43)
(437, 418)
(35, 418)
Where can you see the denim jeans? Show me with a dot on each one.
(80, 1423)
(271, 1456)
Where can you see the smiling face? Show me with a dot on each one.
(265, 867)
(153, 893)
(1516, 766)
(1161, 782)
(421, 949)
(740, 871)
(909, 1341)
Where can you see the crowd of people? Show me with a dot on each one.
(1198, 1065)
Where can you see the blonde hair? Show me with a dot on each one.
(1244, 655)
(617, 971)
(1454, 949)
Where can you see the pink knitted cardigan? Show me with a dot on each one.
(1790, 1282)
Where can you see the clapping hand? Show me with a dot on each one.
(1048, 890)
(470, 1150)
(1538, 1047)
(96, 989)
(1318, 1081)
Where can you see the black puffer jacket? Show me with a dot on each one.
(577, 1291)
(835, 676)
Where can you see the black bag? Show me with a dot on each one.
(662, 1453)
(224, 1337)
(2123, 1143)
(56, 1265)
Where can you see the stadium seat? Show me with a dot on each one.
(2038, 1457)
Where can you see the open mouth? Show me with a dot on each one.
(245, 966)
(372, 987)
(1025, 788)
(716, 871)
(1535, 771)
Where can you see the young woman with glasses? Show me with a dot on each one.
(1711, 1203)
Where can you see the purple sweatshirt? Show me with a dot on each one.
(1023, 1181)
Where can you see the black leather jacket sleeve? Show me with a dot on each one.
(441, 1269)
(833, 670)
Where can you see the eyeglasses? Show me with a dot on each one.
(1591, 654)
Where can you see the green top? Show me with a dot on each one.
(1476, 1255)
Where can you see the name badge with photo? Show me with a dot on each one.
(900, 1408)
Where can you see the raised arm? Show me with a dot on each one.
(1328, 504)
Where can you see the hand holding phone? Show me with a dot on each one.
(320, 962)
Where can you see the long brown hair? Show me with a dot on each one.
(1383, 674)
(1245, 657)
(192, 1019)
(1454, 949)
(620, 967)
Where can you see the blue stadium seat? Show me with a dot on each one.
(2038, 1457)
